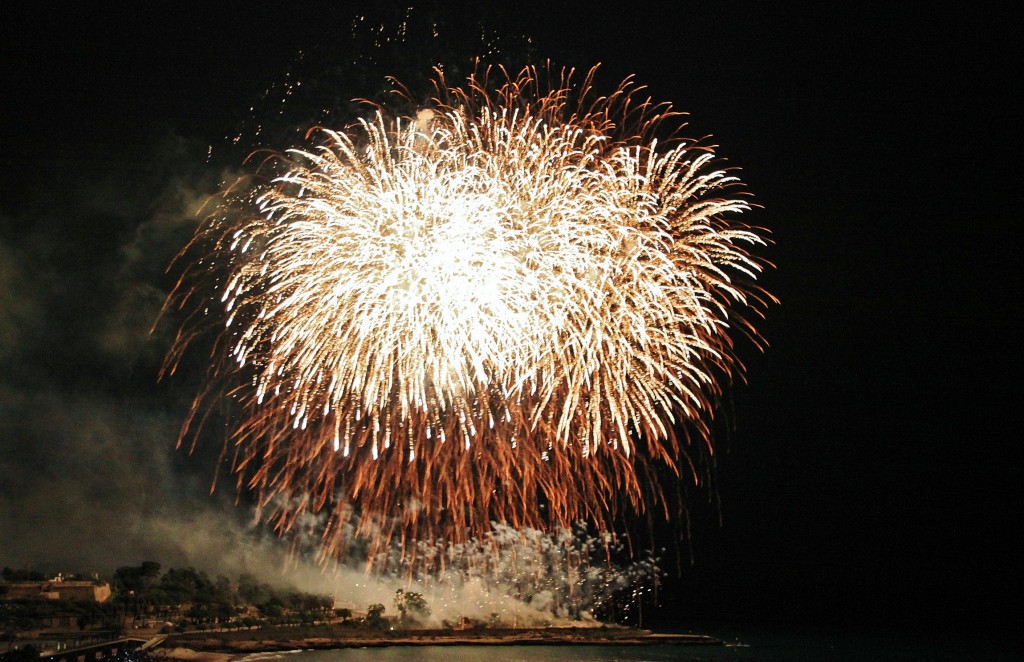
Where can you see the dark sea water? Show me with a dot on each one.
(772, 647)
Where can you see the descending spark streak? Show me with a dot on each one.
(514, 307)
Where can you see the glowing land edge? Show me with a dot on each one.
(511, 305)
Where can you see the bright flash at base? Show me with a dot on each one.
(514, 306)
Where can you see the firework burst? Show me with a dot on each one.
(512, 305)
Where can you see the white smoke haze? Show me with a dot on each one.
(90, 478)
(516, 578)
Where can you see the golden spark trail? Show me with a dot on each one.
(514, 307)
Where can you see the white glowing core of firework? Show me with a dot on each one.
(414, 270)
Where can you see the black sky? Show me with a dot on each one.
(872, 471)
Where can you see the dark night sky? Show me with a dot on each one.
(871, 472)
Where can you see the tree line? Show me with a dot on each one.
(177, 596)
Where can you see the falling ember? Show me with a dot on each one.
(512, 306)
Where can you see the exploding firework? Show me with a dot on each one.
(511, 305)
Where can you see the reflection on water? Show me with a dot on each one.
(530, 653)
(768, 648)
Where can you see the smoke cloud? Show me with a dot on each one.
(90, 476)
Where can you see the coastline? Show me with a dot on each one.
(231, 646)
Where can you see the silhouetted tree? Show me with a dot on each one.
(375, 615)
(411, 605)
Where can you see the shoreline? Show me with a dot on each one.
(231, 646)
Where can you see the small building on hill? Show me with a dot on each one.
(60, 589)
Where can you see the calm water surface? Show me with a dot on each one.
(769, 647)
